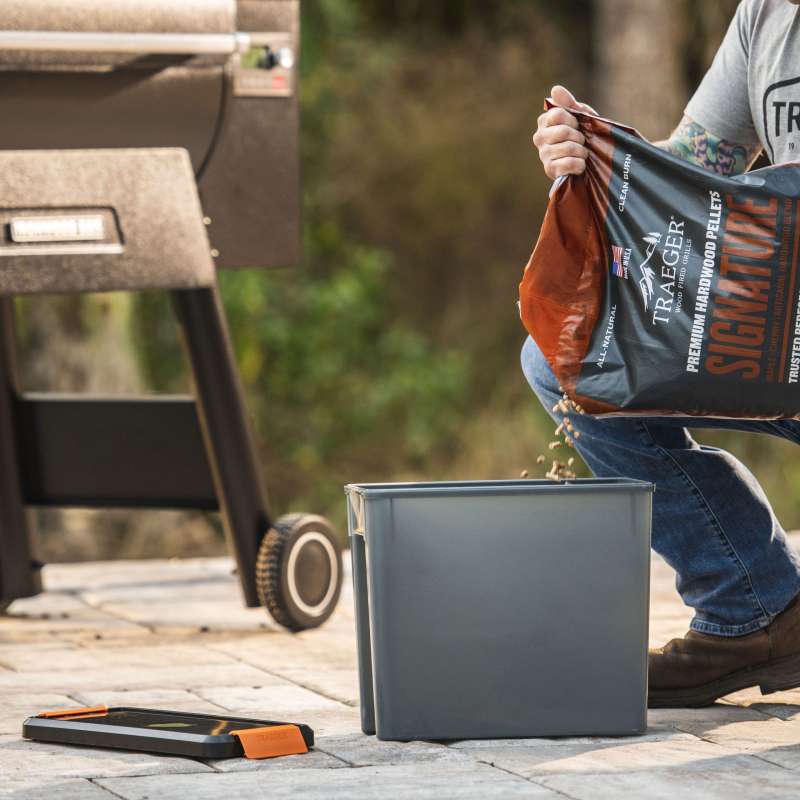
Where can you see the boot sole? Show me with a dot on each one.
(778, 675)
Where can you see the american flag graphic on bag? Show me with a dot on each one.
(616, 261)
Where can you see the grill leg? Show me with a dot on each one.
(228, 438)
(19, 576)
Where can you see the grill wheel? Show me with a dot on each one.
(299, 571)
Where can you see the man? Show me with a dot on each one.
(711, 520)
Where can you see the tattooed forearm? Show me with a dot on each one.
(694, 143)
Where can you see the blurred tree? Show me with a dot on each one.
(82, 344)
(75, 343)
(651, 55)
(704, 26)
(640, 77)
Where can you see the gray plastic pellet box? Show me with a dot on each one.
(492, 609)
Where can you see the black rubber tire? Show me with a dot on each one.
(299, 571)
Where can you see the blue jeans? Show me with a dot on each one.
(712, 522)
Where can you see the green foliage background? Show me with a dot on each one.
(391, 352)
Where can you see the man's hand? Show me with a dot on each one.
(558, 139)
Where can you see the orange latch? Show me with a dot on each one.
(275, 740)
(76, 713)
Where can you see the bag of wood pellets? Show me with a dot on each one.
(657, 287)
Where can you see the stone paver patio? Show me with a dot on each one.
(173, 634)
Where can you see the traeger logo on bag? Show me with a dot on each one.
(658, 288)
(646, 282)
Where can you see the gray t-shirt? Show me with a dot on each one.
(751, 93)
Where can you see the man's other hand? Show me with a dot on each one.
(558, 139)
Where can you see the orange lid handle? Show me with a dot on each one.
(275, 740)
(75, 713)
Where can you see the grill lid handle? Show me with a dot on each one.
(135, 43)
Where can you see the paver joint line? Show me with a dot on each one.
(78, 595)
(763, 758)
(274, 674)
(203, 700)
(527, 778)
(344, 761)
(759, 756)
(307, 687)
(734, 704)
(110, 792)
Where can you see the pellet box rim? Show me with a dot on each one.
(359, 493)
(435, 488)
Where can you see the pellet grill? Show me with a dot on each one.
(143, 145)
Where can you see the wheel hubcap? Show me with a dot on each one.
(312, 573)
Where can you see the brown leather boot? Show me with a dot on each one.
(698, 669)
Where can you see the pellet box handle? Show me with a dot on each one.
(356, 502)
